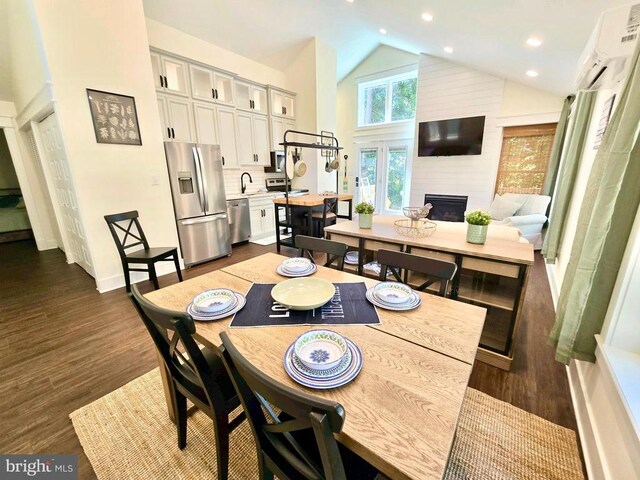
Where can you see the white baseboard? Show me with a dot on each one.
(588, 440)
(553, 284)
(117, 281)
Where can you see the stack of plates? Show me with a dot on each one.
(393, 296)
(323, 359)
(215, 304)
(351, 258)
(296, 267)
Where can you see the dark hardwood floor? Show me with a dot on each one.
(64, 345)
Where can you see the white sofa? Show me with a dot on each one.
(527, 212)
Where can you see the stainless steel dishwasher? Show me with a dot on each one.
(239, 220)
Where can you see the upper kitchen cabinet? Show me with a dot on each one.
(251, 97)
(253, 140)
(211, 85)
(170, 74)
(177, 119)
(278, 127)
(282, 103)
(216, 125)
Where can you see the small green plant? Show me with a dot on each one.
(364, 208)
(478, 217)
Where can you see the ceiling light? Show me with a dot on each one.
(350, 1)
(383, 31)
(534, 42)
(448, 50)
(532, 73)
(427, 17)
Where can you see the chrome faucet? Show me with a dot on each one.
(242, 185)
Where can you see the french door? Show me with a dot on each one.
(384, 175)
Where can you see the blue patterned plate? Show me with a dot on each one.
(210, 317)
(339, 380)
(284, 273)
(410, 305)
(312, 374)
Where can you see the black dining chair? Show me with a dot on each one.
(435, 270)
(127, 233)
(294, 431)
(197, 374)
(335, 250)
(328, 216)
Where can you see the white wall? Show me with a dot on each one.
(326, 91)
(111, 53)
(522, 100)
(448, 90)
(29, 70)
(382, 59)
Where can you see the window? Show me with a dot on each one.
(387, 100)
(524, 157)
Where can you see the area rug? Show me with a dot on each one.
(268, 240)
(127, 434)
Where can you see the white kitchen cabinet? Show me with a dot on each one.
(253, 139)
(262, 217)
(177, 119)
(227, 137)
(282, 103)
(251, 97)
(211, 85)
(206, 123)
(170, 74)
(278, 127)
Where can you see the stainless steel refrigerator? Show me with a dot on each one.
(197, 187)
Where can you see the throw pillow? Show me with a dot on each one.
(502, 208)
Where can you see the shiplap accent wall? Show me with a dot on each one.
(448, 90)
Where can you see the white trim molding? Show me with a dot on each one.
(533, 119)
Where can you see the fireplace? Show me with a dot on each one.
(449, 208)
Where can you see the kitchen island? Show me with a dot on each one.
(295, 213)
(493, 275)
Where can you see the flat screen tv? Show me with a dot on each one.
(445, 138)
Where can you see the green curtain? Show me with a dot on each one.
(568, 170)
(556, 149)
(608, 211)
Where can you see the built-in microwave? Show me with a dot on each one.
(277, 162)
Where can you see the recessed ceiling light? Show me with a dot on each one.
(532, 73)
(383, 31)
(534, 42)
(448, 50)
(427, 17)
(350, 1)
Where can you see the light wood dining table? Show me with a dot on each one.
(402, 409)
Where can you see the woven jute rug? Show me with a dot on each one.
(127, 434)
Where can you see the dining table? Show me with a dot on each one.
(403, 407)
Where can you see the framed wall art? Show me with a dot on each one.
(115, 119)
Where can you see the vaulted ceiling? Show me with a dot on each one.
(485, 34)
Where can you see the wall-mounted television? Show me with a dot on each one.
(457, 136)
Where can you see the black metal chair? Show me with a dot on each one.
(335, 250)
(435, 270)
(197, 374)
(144, 256)
(328, 216)
(297, 443)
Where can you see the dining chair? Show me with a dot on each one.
(335, 250)
(435, 270)
(328, 216)
(133, 236)
(197, 374)
(294, 431)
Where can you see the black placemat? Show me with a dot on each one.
(348, 306)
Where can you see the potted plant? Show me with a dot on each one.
(365, 214)
(477, 226)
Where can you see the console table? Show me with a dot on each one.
(493, 275)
